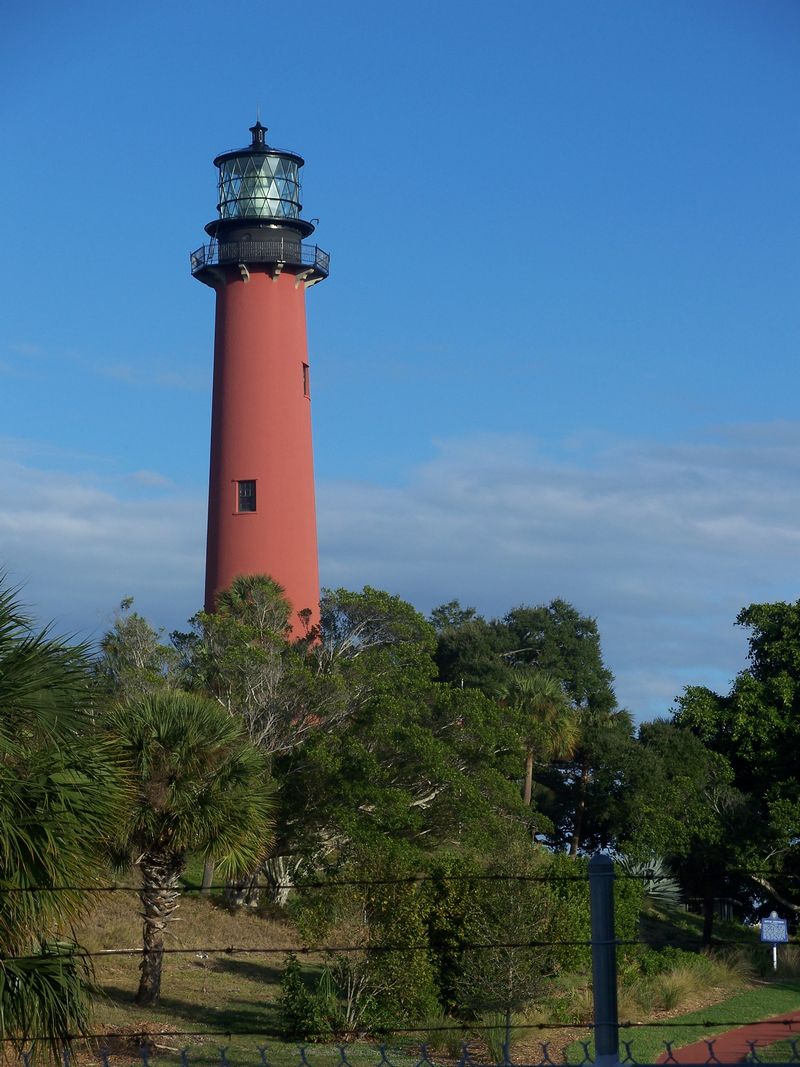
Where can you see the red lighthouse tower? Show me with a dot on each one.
(261, 515)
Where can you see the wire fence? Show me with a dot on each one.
(465, 1043)
(410, 1055)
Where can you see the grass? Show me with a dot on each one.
(720, 987)
(219, 997)
(780, 1052)
(228, 993)
(665, 925)
(758, 1002)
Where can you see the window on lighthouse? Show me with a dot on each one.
(246, 496)
(306, 381)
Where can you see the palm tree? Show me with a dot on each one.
(258, 601)
(202, 786)
(62, 794)
(546, 720)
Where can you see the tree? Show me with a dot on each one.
(756, 728)
(413, 759)
(133, 658)
(451, 616)
(545, 719)
(512, 918)
(62, 794)
(201, 786)
(555, 639)
(242, 656)
(585, 797)
(470, 651)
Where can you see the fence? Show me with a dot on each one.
(751, 1042)
(387, 1057)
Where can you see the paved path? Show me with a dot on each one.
(733, 1047)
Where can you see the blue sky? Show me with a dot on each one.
(556, 355)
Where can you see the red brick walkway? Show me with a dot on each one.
(733, 1047)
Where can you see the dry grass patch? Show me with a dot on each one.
(203, 993)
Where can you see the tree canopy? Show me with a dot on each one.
(200, 786)
(63, 791)
(755, 728)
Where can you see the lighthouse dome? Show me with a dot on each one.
(259, 182)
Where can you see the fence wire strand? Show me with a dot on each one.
(467, 1028)
(338, 883)
(205, 952)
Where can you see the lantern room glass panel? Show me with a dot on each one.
(253, 186)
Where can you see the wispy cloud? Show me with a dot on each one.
(78, 548)
(663, 543)
(147, 371)
(151, 480)
(23, 348)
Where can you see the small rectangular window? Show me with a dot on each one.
(306, 381)
(246, 497)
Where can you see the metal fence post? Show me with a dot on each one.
(604, 960)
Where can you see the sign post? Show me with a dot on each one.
(774, 931)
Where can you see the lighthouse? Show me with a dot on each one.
(261, 513)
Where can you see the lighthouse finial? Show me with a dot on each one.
(258, 131)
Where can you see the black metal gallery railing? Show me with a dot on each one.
(291, 253)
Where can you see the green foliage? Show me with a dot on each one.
(413, 760)
(548, 725)
(588, 797)
(755, 728)
(497, 1030)
(498, 910)
(302, 1011)
(470, 651)
(552, 638)
(652, 962)
(256, 601)
(498, 971)
(45, 993)
(354, 623)
(451, 922)
(657, 880)
(133, 658)
(243, 657)
(451, 616)
(471, 938)
(376, 988)
(441, 1033)
(560, 641)
(200, 784)
(571, 919)
(62, 793)
(557, 641)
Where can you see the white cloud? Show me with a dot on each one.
(152, 480)
(77, 549)
(24, 348)
(663, 543)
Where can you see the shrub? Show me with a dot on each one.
(376, 988)
(657, 961)
(302, 1011)
(440, 1033)
(497, 1030)
(571, 919)
(657, 879)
